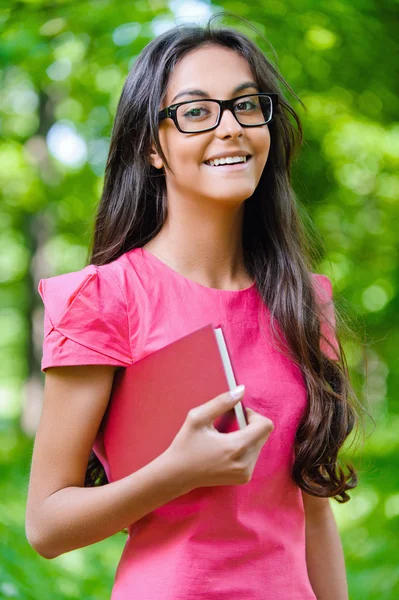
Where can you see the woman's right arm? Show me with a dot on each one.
(62, 514)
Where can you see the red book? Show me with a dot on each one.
(151, 398)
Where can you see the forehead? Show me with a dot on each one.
(213, 69)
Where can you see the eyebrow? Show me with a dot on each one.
(202, 94)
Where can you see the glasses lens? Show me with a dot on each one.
(253, 110)
(197, 115)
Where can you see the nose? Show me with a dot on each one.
(228, 126)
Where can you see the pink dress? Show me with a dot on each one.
(244, 542)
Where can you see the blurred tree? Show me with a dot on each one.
(63, 66)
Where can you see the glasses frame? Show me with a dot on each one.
(170, 111)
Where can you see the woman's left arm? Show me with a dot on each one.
(324, 553)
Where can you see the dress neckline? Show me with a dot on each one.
(154, 259)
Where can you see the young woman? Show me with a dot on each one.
(198, 223)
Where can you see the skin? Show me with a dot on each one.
(324, 554)
(202, 236)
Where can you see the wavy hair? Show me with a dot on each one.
(133, 209)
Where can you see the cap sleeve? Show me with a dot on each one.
(85, 319)
(324, 298)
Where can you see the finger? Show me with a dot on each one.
(207, 413)
(258, 427)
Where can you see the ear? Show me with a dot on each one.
(155, 159)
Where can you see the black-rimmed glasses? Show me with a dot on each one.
(194, 116)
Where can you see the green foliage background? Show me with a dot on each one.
(63, 64)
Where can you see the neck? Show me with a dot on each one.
(204, 249)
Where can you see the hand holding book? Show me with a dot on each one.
(208, 457)
(175, 396)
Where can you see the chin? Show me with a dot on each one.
(233, 193)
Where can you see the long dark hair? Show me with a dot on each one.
(133, 209)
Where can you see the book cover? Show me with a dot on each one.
(150, 399)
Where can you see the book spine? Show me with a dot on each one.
(228, 368)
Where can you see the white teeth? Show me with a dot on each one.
(228, 160)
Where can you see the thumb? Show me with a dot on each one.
(206, 413)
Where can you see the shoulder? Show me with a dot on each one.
(322, 287)
(323, 292)
(113, 281)
(97, 285)
(86, 318)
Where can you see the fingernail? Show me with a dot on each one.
(237, 392)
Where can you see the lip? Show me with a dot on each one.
(232, 167)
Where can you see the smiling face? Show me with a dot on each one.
(218, 72)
